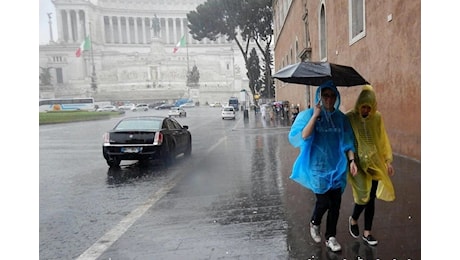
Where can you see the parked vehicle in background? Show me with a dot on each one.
(233, 101)
(141, 107)
(153, 105)
(66, 104)
(164, 106)
(228, 112)
(126, 107)
(177, 112)
(107, 108)
(146, 138)
(187, 105)
(216, 104)
(181, 101)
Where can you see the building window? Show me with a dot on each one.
(296, 50)
(357, 20)
(59, 78)
(322, 34)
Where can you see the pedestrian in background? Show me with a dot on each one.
(295, 113)
(262, 111)
(373, 158)
(325, 138)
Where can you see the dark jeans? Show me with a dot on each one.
(329, 201)
(369, 208)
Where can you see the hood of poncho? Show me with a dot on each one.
(328, 84)
(366, 97)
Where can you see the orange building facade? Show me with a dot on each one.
(380, 39)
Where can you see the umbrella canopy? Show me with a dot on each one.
(316, 73)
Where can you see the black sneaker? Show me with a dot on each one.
(370, 240)
(354, 229)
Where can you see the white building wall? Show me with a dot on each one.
(127, 66)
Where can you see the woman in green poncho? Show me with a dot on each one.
(374, 157)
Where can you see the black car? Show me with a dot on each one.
(164, 106)
(146, 138)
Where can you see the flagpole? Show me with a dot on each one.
(93, 74)
(186, 47)
(188, 66)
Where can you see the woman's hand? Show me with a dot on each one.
(353, 168)
(317, 110)
(391, 171)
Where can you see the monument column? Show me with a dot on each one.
(128, 30)
(175, 30)
(112, 34)
(143, 31)
(69, 27)
(120, 36)
(136, 31)
(168, 40)
(59, 22)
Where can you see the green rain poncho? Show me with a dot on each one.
(322, 161)
(373, 150)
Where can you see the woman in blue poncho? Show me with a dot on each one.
(326, 141)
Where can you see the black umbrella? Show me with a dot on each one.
(316, 73)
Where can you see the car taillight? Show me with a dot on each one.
(106, 138)
(158, 140)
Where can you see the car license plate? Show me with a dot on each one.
(130, 150)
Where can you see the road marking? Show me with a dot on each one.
(107, 240)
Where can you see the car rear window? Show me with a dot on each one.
(139, 125)
(228, 109)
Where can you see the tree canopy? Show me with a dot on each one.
(45, 76)
(253, 71)
(239, 21)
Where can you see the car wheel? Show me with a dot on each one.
(167, 155)
(113, 162)
(188, 150)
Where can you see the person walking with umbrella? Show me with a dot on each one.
(325, 138)
(373, 158)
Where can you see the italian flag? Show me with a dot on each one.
(181, 43)
(84, 46)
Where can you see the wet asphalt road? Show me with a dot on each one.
(231, 200)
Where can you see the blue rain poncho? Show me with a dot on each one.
(322, 163)
(374, 150)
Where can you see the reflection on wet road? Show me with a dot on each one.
(232, 199)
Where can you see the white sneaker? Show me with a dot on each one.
(333, 244)
(314, 232)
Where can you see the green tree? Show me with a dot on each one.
(239, 21)
(193, 77)
(45, 76)
(259, 28)
(253, 71)
(267, 80)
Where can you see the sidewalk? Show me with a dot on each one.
(256, 120)
(397, 224)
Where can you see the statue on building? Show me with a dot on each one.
(155, 26)
(51, 27)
